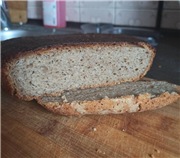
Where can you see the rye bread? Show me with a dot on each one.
(126, 97)
(36, 66)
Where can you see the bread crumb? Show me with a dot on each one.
(100, 151)
(157, 151)
(123, 130)
(151, 155)
(94, 129)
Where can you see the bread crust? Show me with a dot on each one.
(12, 50)
(124, 104)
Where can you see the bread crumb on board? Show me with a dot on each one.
(151, 155)
(157, 151)
(99, 151)
(94, 129)
(124, 130)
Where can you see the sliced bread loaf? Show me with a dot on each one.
(126, 97)
(33, 67)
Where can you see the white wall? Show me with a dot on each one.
(126, 13)
(139, 13)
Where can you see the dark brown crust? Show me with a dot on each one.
(147, 46)
(27, 45)
(17, 48)
(6, 81)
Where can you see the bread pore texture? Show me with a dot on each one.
(81, 64)
(66, 68)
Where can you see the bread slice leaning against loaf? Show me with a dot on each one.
(49, 65)
(126, 97)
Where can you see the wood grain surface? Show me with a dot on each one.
(28, 130)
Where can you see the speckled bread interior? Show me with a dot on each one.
(84, 74)
(74, 64)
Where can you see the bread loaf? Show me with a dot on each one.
(37, 66)
(126, 97)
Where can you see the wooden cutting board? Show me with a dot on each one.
(28, 130)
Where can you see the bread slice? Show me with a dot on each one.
(33, 67)
(126, 97)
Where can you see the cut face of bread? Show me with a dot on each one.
(74, 65)
(124, 89)
(66, 68)
(125, 97)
